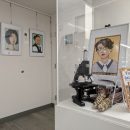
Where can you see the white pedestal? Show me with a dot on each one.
(69, 116)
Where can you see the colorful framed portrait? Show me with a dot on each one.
(37, 43)
(125, 78)
(10, 39)
(106, 55)
(107, 51)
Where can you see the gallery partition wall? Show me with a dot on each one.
(25, 77)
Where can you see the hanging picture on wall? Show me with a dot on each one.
(68, 39)
(107, 51)
(10, 39)
(37, 43)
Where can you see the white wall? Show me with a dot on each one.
(116, 12)
(31, 89)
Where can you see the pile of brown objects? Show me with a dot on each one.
(107, 97)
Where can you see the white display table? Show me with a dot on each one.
(69, 116)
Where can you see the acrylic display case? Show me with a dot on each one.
(72, 40)
(81, 24)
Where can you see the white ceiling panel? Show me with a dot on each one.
(44, 6)
(49, 6)
(97, 3)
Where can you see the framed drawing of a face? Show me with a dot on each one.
(37, 43)
(107, 51)
(106, 55)
(10, 39)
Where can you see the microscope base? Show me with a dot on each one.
(77, 101)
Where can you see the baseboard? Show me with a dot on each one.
(12, 117)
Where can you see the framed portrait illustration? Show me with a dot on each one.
(106, 55)
(107, 51)
(37, 43)
(10, 39)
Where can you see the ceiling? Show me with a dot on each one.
(65, 4)
(43, 6)
(93, 3)
(98, 3)
(49, 6)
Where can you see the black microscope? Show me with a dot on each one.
(85, 90)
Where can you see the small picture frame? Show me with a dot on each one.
(37, 43)
(10, 39)
(125, 78)
(107, 51)
(68, 39)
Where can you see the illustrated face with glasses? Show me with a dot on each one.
(104, 48)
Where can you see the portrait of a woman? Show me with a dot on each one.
(11, 38)
(105, 58)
